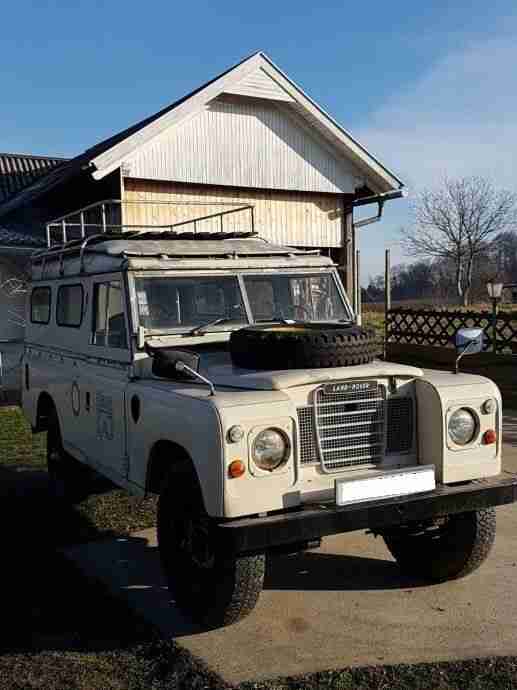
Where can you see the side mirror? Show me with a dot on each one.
(169, 363)
(469, 341)
(177, 365)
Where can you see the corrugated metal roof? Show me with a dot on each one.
(18, 171)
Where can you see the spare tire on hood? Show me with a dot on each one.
(302, 346)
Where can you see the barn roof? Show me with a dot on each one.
(110, 154)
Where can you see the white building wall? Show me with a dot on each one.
(245, 142)
(12, 311)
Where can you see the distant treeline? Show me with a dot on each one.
(435, 280)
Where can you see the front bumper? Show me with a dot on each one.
(254, 535)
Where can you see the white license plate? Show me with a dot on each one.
(412, 480)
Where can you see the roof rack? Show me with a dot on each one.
(109, 217)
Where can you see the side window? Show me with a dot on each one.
(69, 311)
(109, 325)
(40, 305)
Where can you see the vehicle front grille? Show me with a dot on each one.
(399, 429)
(350, 425)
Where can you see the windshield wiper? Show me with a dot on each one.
(200, 330)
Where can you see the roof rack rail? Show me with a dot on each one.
(115, 216)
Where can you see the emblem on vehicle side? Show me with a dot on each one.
(76, 399)
(350, 387)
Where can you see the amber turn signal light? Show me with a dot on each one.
(489, 437)
(236, 469)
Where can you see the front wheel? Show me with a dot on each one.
(446, 548)
(212, 588)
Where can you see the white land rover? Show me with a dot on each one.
(228, 376)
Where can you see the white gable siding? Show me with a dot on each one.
(260, 85)
(244, 143)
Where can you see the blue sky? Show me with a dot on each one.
(430, 88)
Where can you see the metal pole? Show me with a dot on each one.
(82, 224)
(494, 325)
(103, 211)
(387, 297)
(358, 285)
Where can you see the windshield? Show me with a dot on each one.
(298, 297)
(186, 303)
(201, 303)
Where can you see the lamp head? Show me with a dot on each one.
(495, 290)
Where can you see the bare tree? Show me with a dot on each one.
(457, 223)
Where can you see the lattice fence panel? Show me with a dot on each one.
(438, 327)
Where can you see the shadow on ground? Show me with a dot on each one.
(47, 603)
(316, 570)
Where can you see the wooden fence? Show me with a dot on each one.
(438, 327)
(425, 338)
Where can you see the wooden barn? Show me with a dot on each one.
(250, 137)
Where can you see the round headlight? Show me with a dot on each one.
(462, 426)
(270, 449)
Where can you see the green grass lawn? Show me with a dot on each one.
(61, 631)
(375, 320)
(17, 445)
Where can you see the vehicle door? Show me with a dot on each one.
(106, 377)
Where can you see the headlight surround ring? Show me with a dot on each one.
(463, 426)
(271, 449)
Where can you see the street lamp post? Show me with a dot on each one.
(495, 291)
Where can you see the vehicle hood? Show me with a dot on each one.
(219, 369)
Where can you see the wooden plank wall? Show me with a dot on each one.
(305, 219)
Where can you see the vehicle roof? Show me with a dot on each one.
(166, 250)
(186, 244)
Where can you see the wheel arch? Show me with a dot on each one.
(167, 457)
(45, 406)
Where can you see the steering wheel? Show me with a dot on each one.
(299, 312)
(158, 312)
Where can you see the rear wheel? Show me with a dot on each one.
(446, 548)
(68, 478)
(212, 588)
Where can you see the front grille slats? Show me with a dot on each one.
(371, 422)
(341, 436)
(355, 427)
(351, 402)
(339, 442)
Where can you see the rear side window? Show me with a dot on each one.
(40, 305)
(70, 306)
(109, 324)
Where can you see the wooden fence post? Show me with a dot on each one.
(387, 297)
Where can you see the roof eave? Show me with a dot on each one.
(381, 179)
